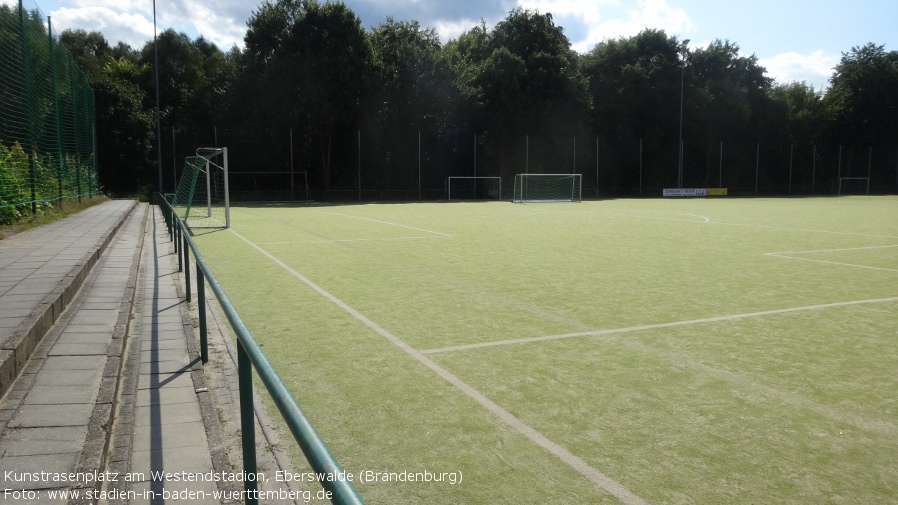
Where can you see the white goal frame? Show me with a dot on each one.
(498, 195)
(202, 199)
(867, 179)
(541, 188)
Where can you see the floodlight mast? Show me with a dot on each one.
(683, 52)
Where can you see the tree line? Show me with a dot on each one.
(391, 110)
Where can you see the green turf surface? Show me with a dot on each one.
(700, 396)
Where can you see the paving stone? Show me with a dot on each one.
(35, 416)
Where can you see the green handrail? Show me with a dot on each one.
(249, 355)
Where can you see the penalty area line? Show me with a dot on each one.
(581, 466)
(385, 222)
(630, 329)
(791, 255)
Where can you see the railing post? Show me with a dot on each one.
(201, 298)
(247, 424)
(185, 247)
(178, 247)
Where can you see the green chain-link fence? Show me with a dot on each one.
(47, 131)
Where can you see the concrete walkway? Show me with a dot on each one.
(102, 387)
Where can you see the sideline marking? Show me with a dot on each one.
(383, 222)
(597, 477)
(673, 324)
(789, 255)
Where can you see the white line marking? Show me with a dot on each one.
(838, 263)
(386, 222)
(806, 230)
(597, 477)
(326, 241)
(630, 329)
(790, 256)
(837, 250)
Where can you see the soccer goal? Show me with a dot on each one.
(475, 188)
(201, 198)
(547, 188)
(854, 186)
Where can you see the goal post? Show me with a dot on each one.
(474, 188)
(202, 197)
(854, 186)
(547, 188)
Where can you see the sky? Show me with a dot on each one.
(795, 40)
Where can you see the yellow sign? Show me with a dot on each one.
(717, 191)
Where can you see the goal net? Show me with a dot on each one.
(547, 188)
(201, 198)
(854, 186)
(475, 188)
(270, 186)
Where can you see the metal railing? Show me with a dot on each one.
(249, 356)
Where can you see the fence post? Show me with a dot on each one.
(791, 158)
(757, 166)
(59, 157)
(814, 168)
(247, 424)
(720, 167)
(201, 298)
(28, 101)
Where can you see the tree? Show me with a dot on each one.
(410, 89)
(125, 129)
(314, 59)
(634, 85)
(863, 98)
(524, 75)
(721, 83)
(90, 50)
(191, 84)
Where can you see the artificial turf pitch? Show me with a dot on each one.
(623, 351)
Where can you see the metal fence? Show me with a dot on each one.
(47, 126)
(340, 490)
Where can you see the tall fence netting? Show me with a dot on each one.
(47, 122)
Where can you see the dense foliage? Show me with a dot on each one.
(355, 105)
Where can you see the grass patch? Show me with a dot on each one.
(48, 214)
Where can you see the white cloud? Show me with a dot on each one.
(451, 29)
(132, 29)
(588, 11)
(651, 14)
(216, 25)
(815, 69)
(609, 19)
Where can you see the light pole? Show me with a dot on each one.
(683, 51)
(158, 122)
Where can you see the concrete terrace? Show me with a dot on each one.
(101, 382)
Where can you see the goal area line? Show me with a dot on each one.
(673, 324)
